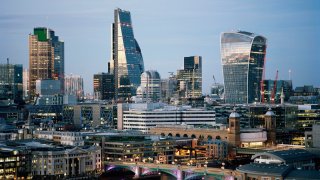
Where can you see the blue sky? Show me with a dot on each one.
(168, 30)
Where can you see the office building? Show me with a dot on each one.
(73, 85)
(242, 56)
(14, 163)
(46, 58)
(150, 88)
(168, 88)
(305, 95)
(89, 115)
(126, 59)
(68, 138)
(282, 88)
(48, 92)
(25, 83)
(11, 87)
(103, 86)
(189, 80)
(144, 116)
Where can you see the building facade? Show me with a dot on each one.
(242, 56)
(190, 78)
(150, 88)
(48, 92)
(62, 137)
(126, 62)
(73, 85)
(46, 58)
(11, 78)
(64, 162)
(283, 87)
(143, 117)
(89, 115)
(103, 86)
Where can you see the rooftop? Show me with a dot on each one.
(288, 156)
(270, 169)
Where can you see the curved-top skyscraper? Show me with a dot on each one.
(242, 56)
(126, 62)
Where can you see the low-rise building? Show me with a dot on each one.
(145, 116)
(296, 164)
(64, 162)
(62, 137)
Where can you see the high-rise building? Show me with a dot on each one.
(126, 62)
(11, 82)
(46, 58)
(242, 56)
(150, 87)
(25, 84)
(190, 77)
(73, 85)
(103, 86)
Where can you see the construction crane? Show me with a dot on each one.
(273, 92)
(263, 76)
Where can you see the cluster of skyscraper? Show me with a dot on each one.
(242, 57)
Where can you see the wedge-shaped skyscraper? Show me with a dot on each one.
(242, 56)
(126, 62)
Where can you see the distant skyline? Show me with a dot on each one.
(168, 31)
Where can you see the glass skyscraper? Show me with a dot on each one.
(190, 77)
(242, 56)
(46, 58)
(126, 62)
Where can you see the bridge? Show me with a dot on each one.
(180, 172)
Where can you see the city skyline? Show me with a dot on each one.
(165, 38)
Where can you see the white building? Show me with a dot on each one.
(73, 85)
(142, 117)
(60, 162)
(63, 137)
(150, 88)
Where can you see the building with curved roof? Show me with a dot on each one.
(150, 88)
(298, 158)
(242, 56)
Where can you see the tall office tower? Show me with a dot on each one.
(46, 58)
(150, 86)
(126, 62)
(242, 56)
(25, 84)
(11, 82)
(190, 78)
(103, 86)
(73, 85)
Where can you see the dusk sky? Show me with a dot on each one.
(167, 31)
